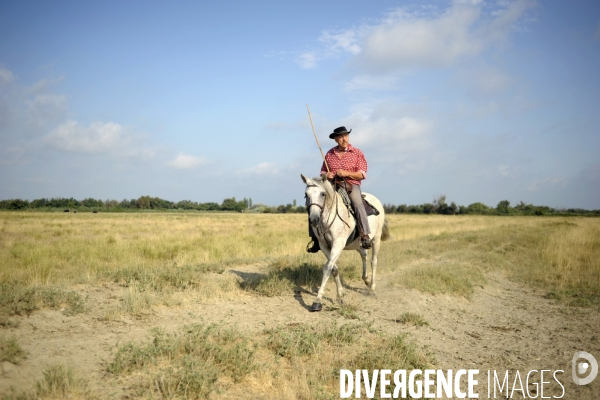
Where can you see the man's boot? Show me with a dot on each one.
(315, 242)
(315, 246)
(365, 242)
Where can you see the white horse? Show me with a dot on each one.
(333, 224)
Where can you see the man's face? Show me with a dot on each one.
(342, 140)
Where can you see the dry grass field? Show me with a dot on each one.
(201, 305)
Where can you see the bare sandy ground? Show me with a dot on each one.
(506, 326)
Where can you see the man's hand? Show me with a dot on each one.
(342, 173)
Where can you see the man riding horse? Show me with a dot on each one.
(347, 167)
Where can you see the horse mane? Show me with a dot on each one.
(324, 184)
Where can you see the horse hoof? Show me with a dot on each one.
(340, 301)
(315, 307)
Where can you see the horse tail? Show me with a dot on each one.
(385, 232)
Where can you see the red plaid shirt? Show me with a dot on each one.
(352, 160)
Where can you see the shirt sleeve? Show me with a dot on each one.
(362, 164)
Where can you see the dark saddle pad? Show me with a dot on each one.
(370, 210)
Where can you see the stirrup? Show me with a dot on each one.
(315, 246)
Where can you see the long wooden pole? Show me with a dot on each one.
(314, 133)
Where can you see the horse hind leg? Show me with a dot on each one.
(374, 252)
(363, 256)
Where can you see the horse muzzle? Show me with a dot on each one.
(314, 220)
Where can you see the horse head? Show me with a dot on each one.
(317, 194)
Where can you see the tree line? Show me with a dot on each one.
(438, 206)
(143, 203)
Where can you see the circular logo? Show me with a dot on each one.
(581, 368)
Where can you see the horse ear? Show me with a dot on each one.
(306, 180)
(323, 177)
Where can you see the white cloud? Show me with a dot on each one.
(307, 60)
(99, 137)
(508, 171)
(422, 36)
(346, 40)
(482, 81)
(264, 168)
(47, 107)
(44, 85)
(414, 41)
(386, 127)
(371, 82)
(540, 184)
(184, 161)
(14, 155)
(6, 76)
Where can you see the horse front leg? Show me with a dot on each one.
(338, 284)
(332, 256)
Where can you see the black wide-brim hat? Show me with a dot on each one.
(339, 131)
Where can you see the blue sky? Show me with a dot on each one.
(475, 100)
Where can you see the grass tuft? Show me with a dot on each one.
(346, 310)
(18, 300)
(446, 278)
(409, 318)
(201, 360)
(187, 364)
(10, 350)
(59, 382)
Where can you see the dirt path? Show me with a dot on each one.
(504, 327)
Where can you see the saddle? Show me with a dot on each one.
(369, 209)
(343, 188)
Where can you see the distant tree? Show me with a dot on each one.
(143, 203)
(402, 209)
(231, 204)
(503, 207)
(111, 204)
(284, 209)
(439, 203)
(389, 208)
(452, 209)
(16, 204)
(39, 203)
(415, 209)
(126, 204)
(211, 206)
(428, 208)
(91, 203)
(478, 208)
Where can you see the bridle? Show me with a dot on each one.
(322, 207)
(308, 205)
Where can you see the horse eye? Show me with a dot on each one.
(322, 194)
